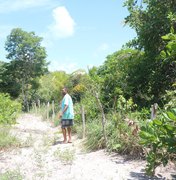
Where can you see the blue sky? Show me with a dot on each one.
(77, 34)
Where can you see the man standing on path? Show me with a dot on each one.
(66, 115)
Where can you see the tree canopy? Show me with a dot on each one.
(28, 58)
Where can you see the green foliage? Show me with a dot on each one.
(77, 84)
(6, 139)
(124, 105)
(170, 99)
(94, 136)
(90, 106)
(119, 75)
(27, 59)
(77, 113)
(150, 21)
(8, 109)
(13, 175)
(50, 86)
(159, 136)
(154, 74)
(8, 84)
(121, 136)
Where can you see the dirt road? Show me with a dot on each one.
(42, 156)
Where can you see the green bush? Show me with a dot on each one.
(8, 109)
(120, 135)
(159, 136)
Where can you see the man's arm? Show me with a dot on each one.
(65, 108)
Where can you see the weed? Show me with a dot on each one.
(6, 139)
(12, 175)
(67, 156)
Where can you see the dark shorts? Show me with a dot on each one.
(66, 123)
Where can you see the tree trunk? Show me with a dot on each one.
(103, 117)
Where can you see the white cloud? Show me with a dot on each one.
(67, 66)
(63, 25)
(15, 5)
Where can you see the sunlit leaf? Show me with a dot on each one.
(157, 122)
(171, 116)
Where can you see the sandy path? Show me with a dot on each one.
(38, 158)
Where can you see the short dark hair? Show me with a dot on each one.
(66, 89)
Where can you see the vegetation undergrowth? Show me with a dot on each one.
(11, 174)
(6, 139)
(159, 137)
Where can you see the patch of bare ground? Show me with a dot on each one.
(42, 156)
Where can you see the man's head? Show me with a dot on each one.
(64, 90)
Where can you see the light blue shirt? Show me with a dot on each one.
(69, 113)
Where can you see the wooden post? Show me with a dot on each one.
(153, 109)
(35, 107)
(27, 104)
(38, 102)
(83, 120)
(47, 111)
(53, 115)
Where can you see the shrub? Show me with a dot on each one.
(123, 136)
(159, 136)
(8, 109)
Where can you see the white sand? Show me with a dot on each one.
(40, 159)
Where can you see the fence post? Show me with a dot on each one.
(153, 109)
(53, 115)
(35, 107)
(83, 120)
(47, 111)
(38, 104)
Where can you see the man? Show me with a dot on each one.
(66, 115)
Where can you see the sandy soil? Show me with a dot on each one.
(42, 156)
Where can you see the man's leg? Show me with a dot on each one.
(69, 135)
(64, 135)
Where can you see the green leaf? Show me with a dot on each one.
(174, 110)
(143, 142)
(166, 37)
(171, 116)
(157, 122)
(116, 146)
(143, 128)
(172, 30)
(169, 127)
(166, 116)
(146, 135)
(163, 54)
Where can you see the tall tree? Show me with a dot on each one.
(151, 20)
(28, 58)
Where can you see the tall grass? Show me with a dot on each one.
(94, 136)
(11, 175)
(120, 137)
(6, 139)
